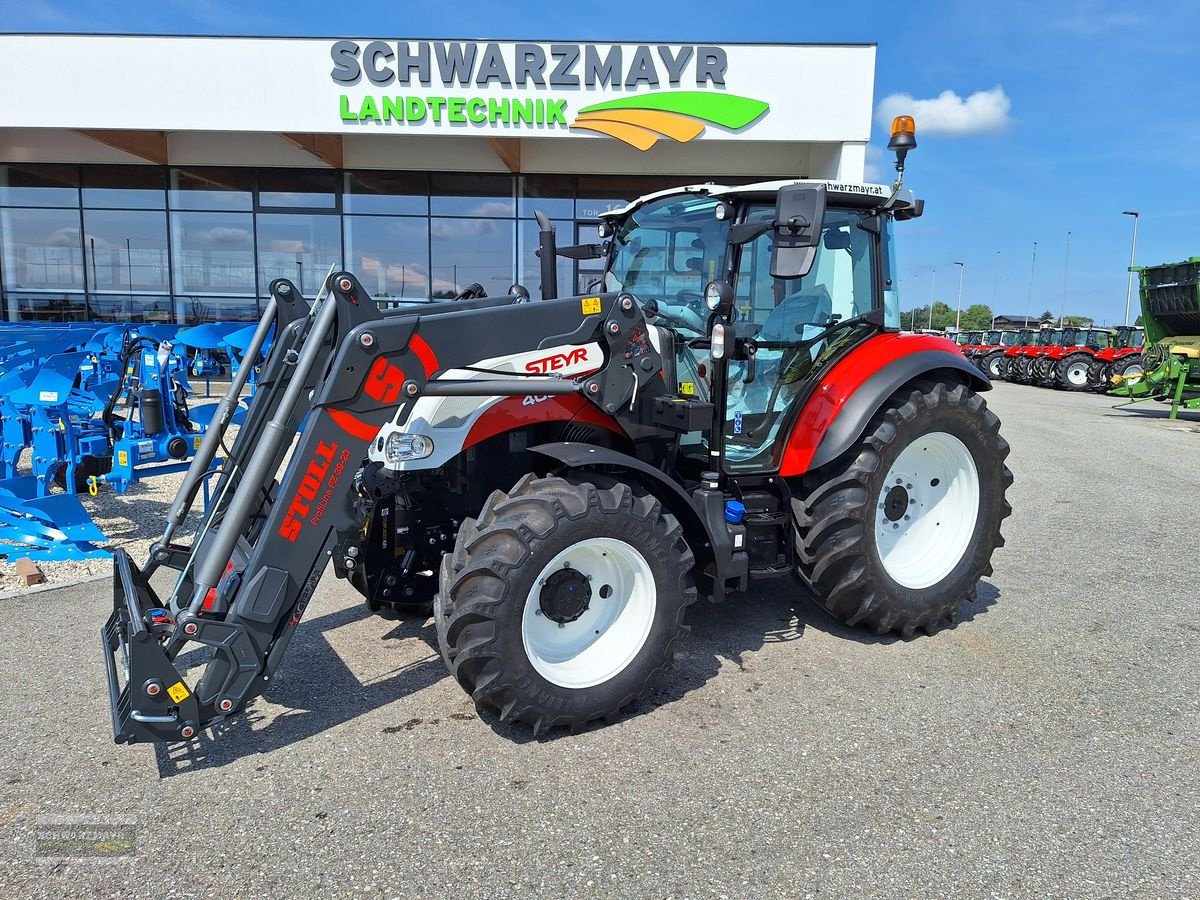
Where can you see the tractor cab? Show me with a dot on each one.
(1012, 338)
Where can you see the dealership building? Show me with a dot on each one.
(172, 178)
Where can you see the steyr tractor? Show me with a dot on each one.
(559, 480)
(1071, 359)
(1123, 357)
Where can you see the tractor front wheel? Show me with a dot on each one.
(1073, 372)
(895, 536)
(1129, 366)
(564, 600)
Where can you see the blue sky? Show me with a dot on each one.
(1085, 108)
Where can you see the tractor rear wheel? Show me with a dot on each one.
(1073, 372)
(1129, 366)
(564, 600)
(895, 536)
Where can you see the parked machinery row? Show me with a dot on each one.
(1072, 358)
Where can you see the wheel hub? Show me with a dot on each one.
(565, 596)
(895, 503)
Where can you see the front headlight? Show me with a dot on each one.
(401, 447)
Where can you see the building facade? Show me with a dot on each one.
(171, 178)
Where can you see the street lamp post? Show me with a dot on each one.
(996, 290)
(962, 267)
(1062, 310)
(932, 296)
(1032, 270)
(1132, 254)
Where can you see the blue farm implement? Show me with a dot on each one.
(93, 405)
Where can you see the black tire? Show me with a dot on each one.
(1099, 373)
(1073, 372)
(1018, 370)
(1125, 363)
(1005, 367)
(992, 365)
(836, 544)
(489, 579)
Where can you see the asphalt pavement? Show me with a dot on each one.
(1049, 745)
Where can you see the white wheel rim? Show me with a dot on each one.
(994, 368)
(1134, 371)
(1077, 373)
(922, 542)
(610, 633)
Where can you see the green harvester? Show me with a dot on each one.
(1170, 297)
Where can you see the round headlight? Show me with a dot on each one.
(712, 295)
(604, 229)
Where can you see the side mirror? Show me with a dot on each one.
(799, 214)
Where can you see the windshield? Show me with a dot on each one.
(1012, 338)
(668, 251)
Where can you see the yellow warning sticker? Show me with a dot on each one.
(591, 306)
(196, 443)
(178, 692)
(687, 387)
(122, 457)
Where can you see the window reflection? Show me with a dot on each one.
(553, 195)
(299, 247)
(45, 307)
(297, 189)
(197, 310)
(124, 187)
(488, 196)
(397, 193)
(390, 255)
(22, 185)
(466, 251)
(214, 252)
(231, 189)
(126, 250)
(530, 267)
(42, 248)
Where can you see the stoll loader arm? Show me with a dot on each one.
(335, 374)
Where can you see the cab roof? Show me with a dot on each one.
(841, 192)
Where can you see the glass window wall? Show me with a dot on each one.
(197, 244)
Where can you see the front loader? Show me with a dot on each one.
(558, 480)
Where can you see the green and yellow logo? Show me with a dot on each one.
(679, 115)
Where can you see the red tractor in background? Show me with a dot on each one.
(1123, 357)
(1024, 338)
(1020, 367)
(967, 341)
(987, 356)
(1067, 364)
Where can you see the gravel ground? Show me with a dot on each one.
(1047, 746)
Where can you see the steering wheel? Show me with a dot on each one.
(686, 297)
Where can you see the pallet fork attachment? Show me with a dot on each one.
(335, 375)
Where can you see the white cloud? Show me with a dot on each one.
(948, 113)
(876, 168)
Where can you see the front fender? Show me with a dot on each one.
(576, 455)
(839, 410)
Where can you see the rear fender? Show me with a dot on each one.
(840, 409)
